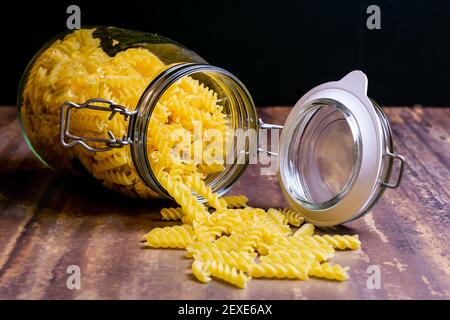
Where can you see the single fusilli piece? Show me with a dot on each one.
(235, 201)
(286, 253)
(199, 186)
(200, 272)
(194, 211)
(294, 218)
(227, 273)
(250, 241)
(328, 271)
(340, 242)
(278, 270)
(306, 229)
(234, 259)
(215, 246)
(208, 232)
(170, 237)
(320, 252)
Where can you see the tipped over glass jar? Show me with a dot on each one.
(150, 118)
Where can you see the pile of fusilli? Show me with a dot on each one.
(238, 244)
(226, 239)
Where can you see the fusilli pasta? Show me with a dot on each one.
(170, 237)
(236, 201)
(294, 218)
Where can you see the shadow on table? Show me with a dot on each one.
(56, 192)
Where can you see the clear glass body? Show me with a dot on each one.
(143, 73)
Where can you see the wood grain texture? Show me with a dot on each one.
(50, 221)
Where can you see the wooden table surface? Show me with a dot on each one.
(49, 222)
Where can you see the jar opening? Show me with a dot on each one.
(216, 141)
(323, 154)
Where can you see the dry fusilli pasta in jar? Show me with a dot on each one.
(139, 111)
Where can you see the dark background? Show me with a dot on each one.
(279, 49)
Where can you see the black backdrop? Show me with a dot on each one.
(279, 49)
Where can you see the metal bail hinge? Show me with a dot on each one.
(400, 171)
(69, 139)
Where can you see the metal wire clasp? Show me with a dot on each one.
(268, 126)
(69, 139)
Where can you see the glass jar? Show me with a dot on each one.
(93, 99)
(120, 75)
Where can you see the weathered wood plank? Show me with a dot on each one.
(50, 221)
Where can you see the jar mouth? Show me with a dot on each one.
(323, 154)
(236, 103)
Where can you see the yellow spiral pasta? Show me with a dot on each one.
(289, 253)
(114, 160)
(170, 237)
(198, 185)
(227, 242)
(200, 272)
(207, 232)
(328, 271)
(236, 201)
(272, 229)
(249, 243)
(340, 242)
(306, 229)
(294, 218)
(232, 258)
(229, 223)
(321, 253)
(278, 270)
(198, 246)
(227, 273)
(194, 210)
